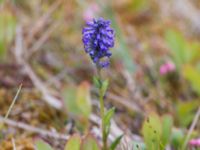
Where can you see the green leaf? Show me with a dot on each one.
(78, 104)
(183, 51)
(89, 143)
(185, 111)
(177, 44)
(74, 143)
(108, 115)
(41, 145)
(78, 100)
(107, 118)
(167, 123)
(83, 99)
(104, 86)
(69, 95)
(193, 76)
(97, 82)
(115, 143)
(151, 131)
(177, 138)
(192, 53)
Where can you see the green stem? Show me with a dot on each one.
(101, 99)
(102, 120)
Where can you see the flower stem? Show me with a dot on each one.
(102, 120)
(101, 99)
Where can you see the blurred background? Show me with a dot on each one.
(154, 71)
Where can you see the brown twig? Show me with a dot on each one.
(18, 51)
(195, 120)
(40, 86)
(125, 102)
(13, 102)
(13, 144)
(29, 128)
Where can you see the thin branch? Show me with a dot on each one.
(13, 102)
(125, 102)
(29, 128)
(13, 143)
(53, 101)
(40, 86)
(195, 120)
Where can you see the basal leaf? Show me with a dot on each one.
(69, 95)
(151, 131)
(167, 123)
(78, 100)
(74, 143)
(115, 143)
(90, 143)
(177, 138)
(41, 145)
(83, 99)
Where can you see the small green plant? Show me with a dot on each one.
(157, 131)
(105, 115)
(98, 38)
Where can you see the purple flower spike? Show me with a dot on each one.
(98, 38)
